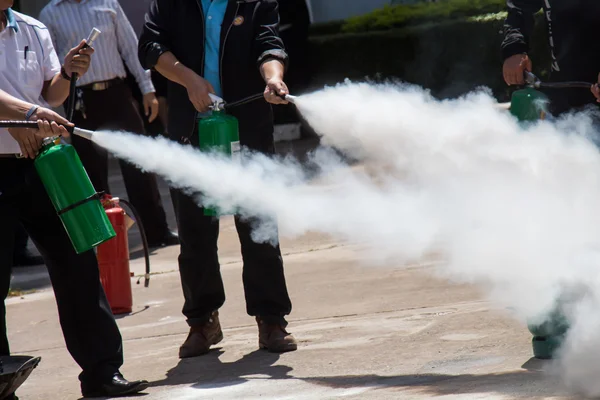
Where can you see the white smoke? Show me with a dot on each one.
(514, 209)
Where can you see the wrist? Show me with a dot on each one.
(63, 74)
(188, 77)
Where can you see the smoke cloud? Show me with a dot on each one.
(514, 209)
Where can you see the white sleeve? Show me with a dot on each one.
(50, 64)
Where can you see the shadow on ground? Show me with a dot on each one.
(209, 372)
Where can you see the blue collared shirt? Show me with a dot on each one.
(214, 13)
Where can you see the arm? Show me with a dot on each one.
(269, 50)
(515, 46)
(12, 108)
(30, 139)
(154, 52)
(518, 26)
(128, 43)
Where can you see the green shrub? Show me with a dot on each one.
(449, 58)
(402, 15)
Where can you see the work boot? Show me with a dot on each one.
(201, 337)
(274, 337)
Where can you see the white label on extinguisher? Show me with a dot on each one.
(235, 151)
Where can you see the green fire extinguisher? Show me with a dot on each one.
(219, 132)
(73, 195)
(528, 105)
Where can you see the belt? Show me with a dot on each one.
(102, 85)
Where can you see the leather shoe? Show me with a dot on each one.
(170, 239)
(117, 386)
(274, 337)
(201, 337)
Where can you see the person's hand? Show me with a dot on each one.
(30, 140)
(514, 69)
(151, 106)
(78, 59)
(198, 89)
(275, 91)
(596, 89)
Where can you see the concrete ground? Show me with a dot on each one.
(393, 332)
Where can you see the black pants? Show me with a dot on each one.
(114, 108)
(21, 239)
(263, 275)
(88, 326)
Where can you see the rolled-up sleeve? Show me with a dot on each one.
(268, 45)
(519, 25)
(154, 40)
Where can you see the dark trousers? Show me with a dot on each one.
(88, 326)
(21, 239)
(263, 275)
(115, 109)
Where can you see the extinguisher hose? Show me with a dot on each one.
(255, 97)
(144, 239)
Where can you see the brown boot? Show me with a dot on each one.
(201, 337)
(274, 337)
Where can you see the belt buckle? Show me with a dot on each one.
(99, 86)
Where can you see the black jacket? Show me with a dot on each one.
(574, 41)
(178, 26)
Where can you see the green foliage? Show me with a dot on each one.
(402, 15)
(449, 58)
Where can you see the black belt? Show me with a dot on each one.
(102, 85)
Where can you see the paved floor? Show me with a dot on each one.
(393, 332)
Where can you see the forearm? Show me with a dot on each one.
(519, 26)
(272, 69)
(12, 108)
(56, 91)
(170, 67)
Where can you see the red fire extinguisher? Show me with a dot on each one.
(113, 257)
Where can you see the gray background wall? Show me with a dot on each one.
(323, 10)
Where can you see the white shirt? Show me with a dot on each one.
(70, 22)
(23, 76)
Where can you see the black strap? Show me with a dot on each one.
(74, 205)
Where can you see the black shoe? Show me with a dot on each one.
(170, 239)
(118, 386)
(27, 260)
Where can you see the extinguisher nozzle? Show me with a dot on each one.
(84, 133)
(290, 98)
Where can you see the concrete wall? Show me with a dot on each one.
(323, 10)
(331, 10)
(135, 10)
(32, 7)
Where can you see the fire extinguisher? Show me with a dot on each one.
(113, 257)
(73, 195)
(528, 104)
(219, 132)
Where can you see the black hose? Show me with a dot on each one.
(144, 240)
(566, 85)
(72, 90)
(243, 101)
